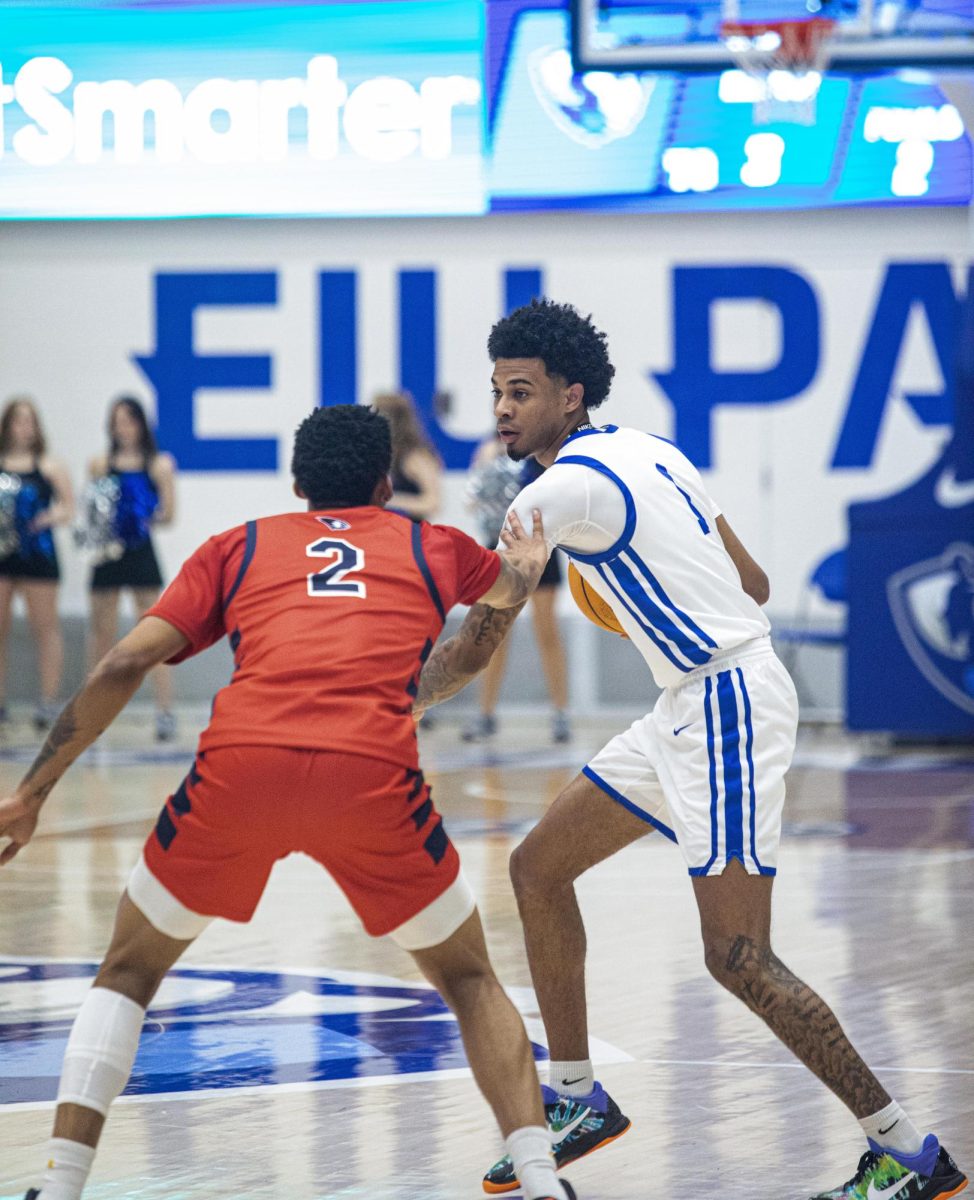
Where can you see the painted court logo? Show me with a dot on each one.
(218, 1028)
(932, 603)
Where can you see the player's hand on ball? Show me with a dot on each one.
(529, 553)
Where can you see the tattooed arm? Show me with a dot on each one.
(107, 690)
(456, 661)
(462, 657)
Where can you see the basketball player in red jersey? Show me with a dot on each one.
(330, 615)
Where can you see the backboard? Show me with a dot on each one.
(867, 36)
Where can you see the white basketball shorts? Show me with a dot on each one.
(707, 766)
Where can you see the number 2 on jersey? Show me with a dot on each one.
(330, 580)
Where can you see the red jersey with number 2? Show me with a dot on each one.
(330, 617)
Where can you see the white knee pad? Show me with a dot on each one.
(101, 1049)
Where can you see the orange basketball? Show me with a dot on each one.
(591, 604)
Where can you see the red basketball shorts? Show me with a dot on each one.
(370, 824)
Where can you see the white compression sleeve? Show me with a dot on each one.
(101, 1049)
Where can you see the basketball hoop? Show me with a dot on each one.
(784, 62)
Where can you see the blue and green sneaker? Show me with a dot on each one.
(930, 1174)
(578, 1124)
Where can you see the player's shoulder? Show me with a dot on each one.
(444, 534)
(600, 442)
(224, 542)
(627, 441)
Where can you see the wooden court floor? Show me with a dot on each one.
(295, 1057)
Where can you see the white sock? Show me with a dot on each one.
(534, 1163)
(892, 1129)
(68, 1167)
(571, 1078)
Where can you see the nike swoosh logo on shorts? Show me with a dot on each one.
(886, 1193)
(951, 494)
(682, 727)
(559, 1135)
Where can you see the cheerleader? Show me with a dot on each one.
(35, 496)
(145, 480)
(416, 471)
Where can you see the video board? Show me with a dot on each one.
(422, 107)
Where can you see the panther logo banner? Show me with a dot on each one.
(932, 604)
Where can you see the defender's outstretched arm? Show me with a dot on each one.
(107, 690)
(462, 657)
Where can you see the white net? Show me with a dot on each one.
(780, 66)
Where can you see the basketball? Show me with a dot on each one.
(591, 604)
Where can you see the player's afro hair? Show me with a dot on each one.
(567, 343)
(340, 454)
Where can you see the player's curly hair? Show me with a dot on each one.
(340, 454)
(567, 343)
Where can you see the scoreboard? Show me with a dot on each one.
(665, 141)
(422, 107)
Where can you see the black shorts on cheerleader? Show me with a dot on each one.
(30, 567)
(137, 568)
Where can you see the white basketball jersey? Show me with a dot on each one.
(631, 512)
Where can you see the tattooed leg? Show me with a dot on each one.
(735, 919)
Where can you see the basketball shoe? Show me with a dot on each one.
(930, 1174)
(578, 1125)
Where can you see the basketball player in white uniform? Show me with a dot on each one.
(705, 768)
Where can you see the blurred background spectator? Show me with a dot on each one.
(35, 497)
(145, 498)
(416, 467)
(493, 483)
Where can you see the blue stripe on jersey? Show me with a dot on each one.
(708, 689)
(424, 570)
(647, 629)
(677, 612)
(617, 547)
(686, 496)
(748, 750)
(626, 803)
(250, 545)
(654, 615)
(730, 736)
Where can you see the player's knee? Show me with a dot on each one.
(716, 965)
(525, 870)
(133, 977)
(736, 962)
(534, 875)
(461, 985)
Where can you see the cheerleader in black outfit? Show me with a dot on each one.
(35, 494)
(146, 499)
(416, 471)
